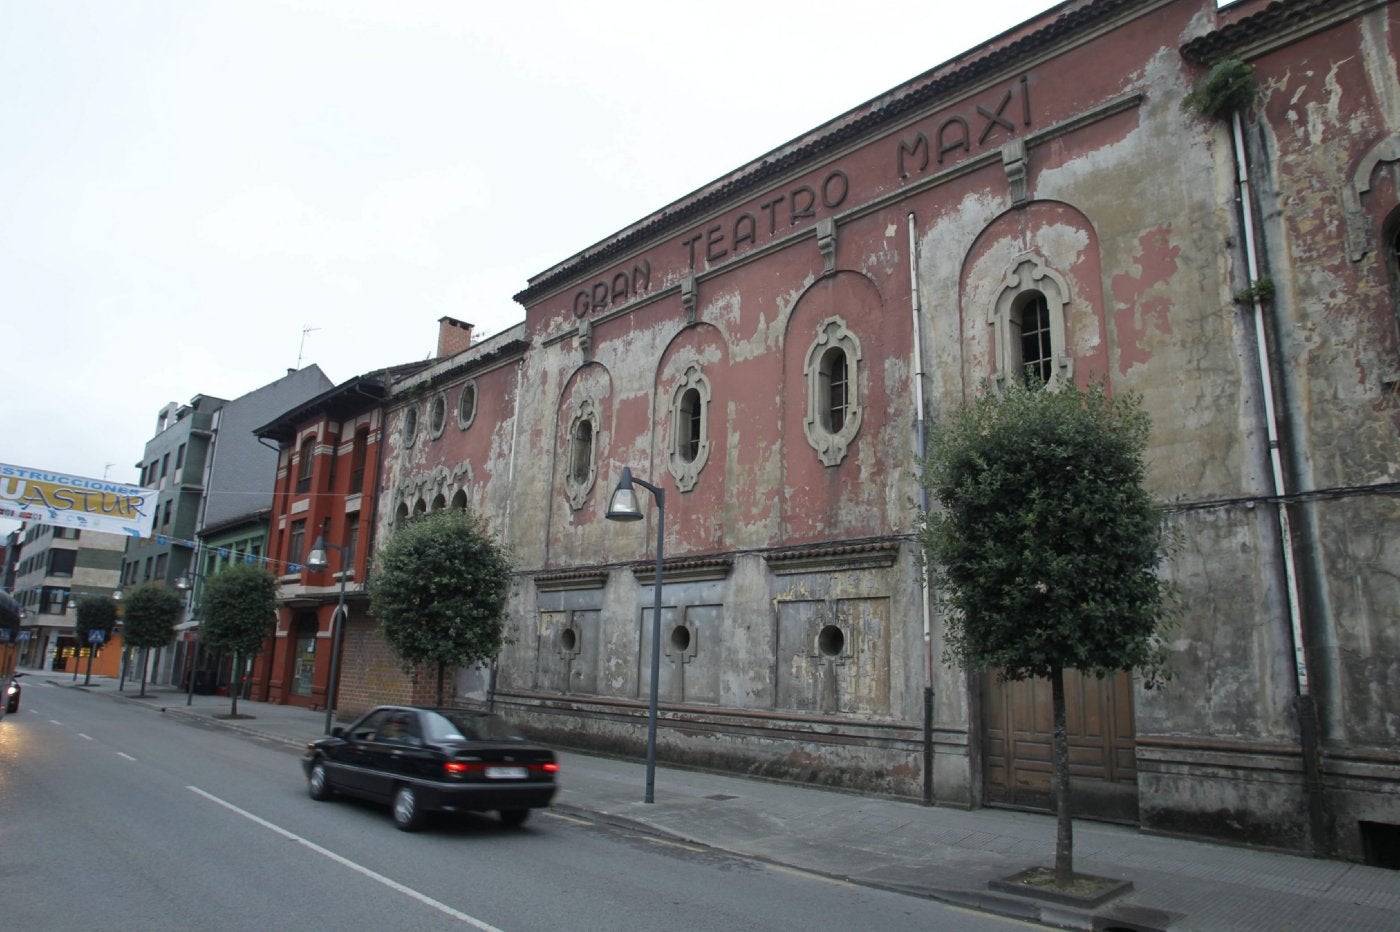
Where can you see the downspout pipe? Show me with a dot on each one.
(921, 443)
(1305, 706)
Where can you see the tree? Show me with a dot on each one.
(1047, 547)
(151, 613)
(439, 590)
(95, 613)
(239, 605)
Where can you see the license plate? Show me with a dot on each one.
(506, 773)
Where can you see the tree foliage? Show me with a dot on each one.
(151, 613)
(1047, 548)
(149, 620)
(95, 613)
(439, 590)
(238, 606)
(1047, 545)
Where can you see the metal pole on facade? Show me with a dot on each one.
(623, 507)
(316, 560)
(187, 583)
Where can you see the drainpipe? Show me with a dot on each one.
(1305, 707)
(922, 449)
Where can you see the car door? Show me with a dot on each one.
(356, 758)
(394, 753)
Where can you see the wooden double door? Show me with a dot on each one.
(1017, 731)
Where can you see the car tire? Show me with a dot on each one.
(408, 814)
(318, 782)
(12, 705)
(514, 817)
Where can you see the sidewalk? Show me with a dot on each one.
(946, 854)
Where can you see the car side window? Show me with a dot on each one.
(370, 728)
(401, 728)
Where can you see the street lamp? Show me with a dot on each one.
(187, 583)
(317, 561)
(623, 507)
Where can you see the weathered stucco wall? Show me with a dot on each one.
(1058, 161)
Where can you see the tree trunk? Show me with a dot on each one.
(1064, 828)
(144, 667)
(234, 684)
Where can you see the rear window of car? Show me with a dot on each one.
(464, 726)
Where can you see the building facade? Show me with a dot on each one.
(210, 470)
(326, 482)
(772, 349)
(55, 568)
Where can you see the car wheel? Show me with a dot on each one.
(318, 784)
(514, 817)
(407, 814)
(12, 705)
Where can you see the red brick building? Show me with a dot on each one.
(327, 484)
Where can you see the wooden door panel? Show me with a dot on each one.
(1017, 728)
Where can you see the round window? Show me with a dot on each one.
(466, 406)
(410, 426)
(831, 641)
(437, 415)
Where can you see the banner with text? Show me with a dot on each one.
(42, 497)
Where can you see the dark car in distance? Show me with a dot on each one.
(422, 760)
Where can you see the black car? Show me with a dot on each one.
(425, 760)
(12, 692)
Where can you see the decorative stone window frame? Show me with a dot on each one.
(687, 472)
(577, 485)
(437, 415)
(832, 446)
(410, 425)
(466, 414)
(1029, 274)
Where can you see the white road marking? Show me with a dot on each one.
(54, 721)
(84, 737)
(127, 756)
(346, 862)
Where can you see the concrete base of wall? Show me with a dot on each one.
(882, 758)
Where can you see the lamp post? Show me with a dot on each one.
(623, 507)
(316, 560)
(189, 583)
(78, 648)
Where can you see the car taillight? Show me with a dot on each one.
(550, 767)
(456, 766)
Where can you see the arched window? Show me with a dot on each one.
(581, 468)
(1028, 325)
(1033, 321)
(308, 453)
(690, 431)
(440, 502)
(581, 451)
(833, 381)
(688, 425)
(459, 501)
(833, 391)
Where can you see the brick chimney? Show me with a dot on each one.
(453, 336)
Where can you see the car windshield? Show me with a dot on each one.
(468, 726)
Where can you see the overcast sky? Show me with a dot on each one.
(196, 196)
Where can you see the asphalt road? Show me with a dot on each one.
(114, 816)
